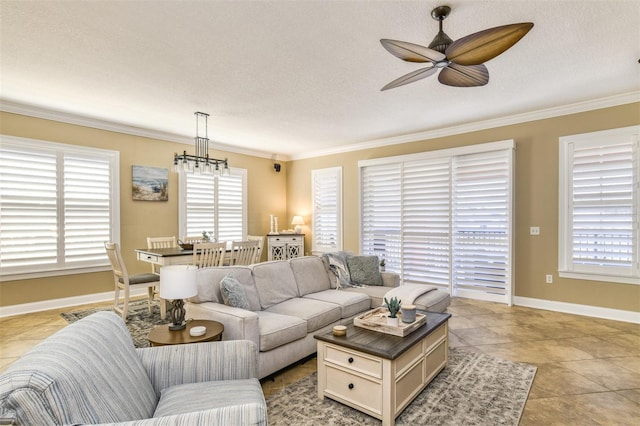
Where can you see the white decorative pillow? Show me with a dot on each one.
(232, 292)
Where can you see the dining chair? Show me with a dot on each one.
(209, 254)
(260, 240)
(243, 252)
(125, 282)
(160, 242)
(191, 240)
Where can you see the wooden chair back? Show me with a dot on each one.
(260, 240)
(209, 254)
(160, 242)
(244, 252)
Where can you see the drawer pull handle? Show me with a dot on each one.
(350, 360)
(149, 257)
(350, 385)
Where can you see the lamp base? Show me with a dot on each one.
(177, 327)
(298, 229)
(177, 313)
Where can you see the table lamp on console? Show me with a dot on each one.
(178, 282)
(297, 221)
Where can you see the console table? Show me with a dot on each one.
(380, 374)
(285, 246)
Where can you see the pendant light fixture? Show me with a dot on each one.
(200, 163)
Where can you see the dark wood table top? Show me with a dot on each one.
(166, 252)
(161, 335)
(384, 345)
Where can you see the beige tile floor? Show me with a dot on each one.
(588, 368)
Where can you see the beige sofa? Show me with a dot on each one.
(288, 303)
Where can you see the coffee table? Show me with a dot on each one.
(161, 335)
(380, 374)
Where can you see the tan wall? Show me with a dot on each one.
(138, 219)
(536, 199)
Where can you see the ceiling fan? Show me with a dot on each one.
(461, 62)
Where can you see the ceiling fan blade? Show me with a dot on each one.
(411, 77)
(482, 46)
(464, 75)
(411, 52)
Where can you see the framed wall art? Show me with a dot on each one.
(150, 183)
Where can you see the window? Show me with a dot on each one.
(326, 193)
(58, 205)
(443, 218)
(599, 205)
(215, 204)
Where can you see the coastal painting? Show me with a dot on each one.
(150, 183)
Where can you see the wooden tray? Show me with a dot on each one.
(376, 320)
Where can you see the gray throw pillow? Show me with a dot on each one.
(364, 270)
(232, 292)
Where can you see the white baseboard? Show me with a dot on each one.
(45, 305)
(572, 308)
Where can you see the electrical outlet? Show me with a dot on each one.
(534, 230)
(549, 279)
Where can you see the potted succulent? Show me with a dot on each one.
(382, 265)
(393, 306)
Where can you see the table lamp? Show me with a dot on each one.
(297, 221)
(178, 282)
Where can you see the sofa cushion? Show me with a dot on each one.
(232, 292)
(209, 284)
(350, 303)
(276, 330)
(310, 274)
(375, 293)
(364, 270)
(87, 373)
(316, 313)
(275, 282)
(246, 394)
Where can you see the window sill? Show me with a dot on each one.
(595, 277)
(55, 273)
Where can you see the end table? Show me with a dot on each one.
(161, 335)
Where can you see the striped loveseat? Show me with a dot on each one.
(90, 372)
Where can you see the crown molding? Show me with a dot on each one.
(65, 117)
(610, 101)
(96, 123)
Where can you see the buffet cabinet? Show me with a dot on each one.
(284, 247)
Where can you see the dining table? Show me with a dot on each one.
(166, 256)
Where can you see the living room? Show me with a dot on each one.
(287, 193)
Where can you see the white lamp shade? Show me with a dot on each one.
(297, 220)
(178, 282)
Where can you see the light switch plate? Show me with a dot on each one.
(534, 230)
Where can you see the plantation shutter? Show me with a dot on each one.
(426, 222)
(86, 208)
(58, 205)
(214, 204)
(326, 188)
(481, 225)
(604, 208)
(28, 209)
(230, 208)
(200, 202)
(382, 213)
(443, 218)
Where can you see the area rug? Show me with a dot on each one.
(139, 320)
(474, 389)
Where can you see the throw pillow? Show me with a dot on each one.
(232, 292)
(364, 270)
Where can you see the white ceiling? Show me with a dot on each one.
(294, 78)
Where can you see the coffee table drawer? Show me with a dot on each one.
(354, 389)
(436, 361)
(354, 361)
(437, 335)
